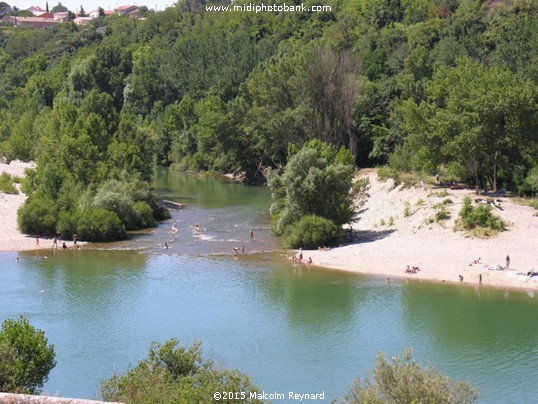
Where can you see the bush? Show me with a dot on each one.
(384, 173)
(175, 374)
(6, 184)
(402, 380)
(472, 218)
(67, 224)
(144, 215)
(100, 225)
(25, 357)
(118, 202)
(529, 187)
(312, 231)
(38, 216)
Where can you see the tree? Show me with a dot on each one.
(175, 374)
(403, 381)
(478, 121)
(59, 8)
(28, 356)
(4, 8)
(317, 180)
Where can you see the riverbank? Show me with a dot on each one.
(384, 246)
(11, 239)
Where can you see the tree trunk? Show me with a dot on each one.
(353, 144)
(495, 173)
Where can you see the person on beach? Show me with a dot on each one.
(387, 281)
(408, 270)
(507, 262)
(75, 240)
(461, 278)
(37, 240)
(309, 260)
(251, 234)
(55, 242)
(300, 254)
(166, 246)
(64, 246)
(235, 251)
(480, 279)
(242, 249)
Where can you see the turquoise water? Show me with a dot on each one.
(304, 329)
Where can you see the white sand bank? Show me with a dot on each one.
(10, 237)
(441, 253)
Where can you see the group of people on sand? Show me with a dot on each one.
(299, 258)
(412, 269)
(55, 241)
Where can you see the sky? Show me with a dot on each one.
(90, 5)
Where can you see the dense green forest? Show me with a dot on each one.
(444, 86)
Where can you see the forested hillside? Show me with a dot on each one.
(446, 86)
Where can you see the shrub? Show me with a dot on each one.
(67, 224)
(6, 184)
(442, 214)
(100, 225)
(384, 173)
(529, 187)
(175, 374)
(118, 202)
(407, 210)
(38, 215)
(402, 380)
(473, 218)
(144, 215)
(391, 221)
(312, 231)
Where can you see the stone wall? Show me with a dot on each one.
(8, 398)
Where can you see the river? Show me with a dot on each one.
(306, 330)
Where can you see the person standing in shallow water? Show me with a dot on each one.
(251, 234)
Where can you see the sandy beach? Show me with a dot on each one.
(441, 253)
(10, 237)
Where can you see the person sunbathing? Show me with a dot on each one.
(475, 262)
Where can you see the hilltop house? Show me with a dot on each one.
(33, 22)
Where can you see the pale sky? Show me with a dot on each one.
(90, 5)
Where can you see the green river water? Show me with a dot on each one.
(304, 330)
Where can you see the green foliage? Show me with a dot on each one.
(313, 184)
(476, 219)
(38, 216)
(144, 215)
(407, 210)
(100, 225)
(391, 221)
(432, 86)
(384, 173)
(174, 374)
(6, 184)
(25, 357)
(311, 232)
(529, 187)
(402, 380)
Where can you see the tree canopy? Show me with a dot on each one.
(447, 87)
(175, 374)
(26, 358)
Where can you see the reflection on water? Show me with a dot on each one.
(300, 329)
